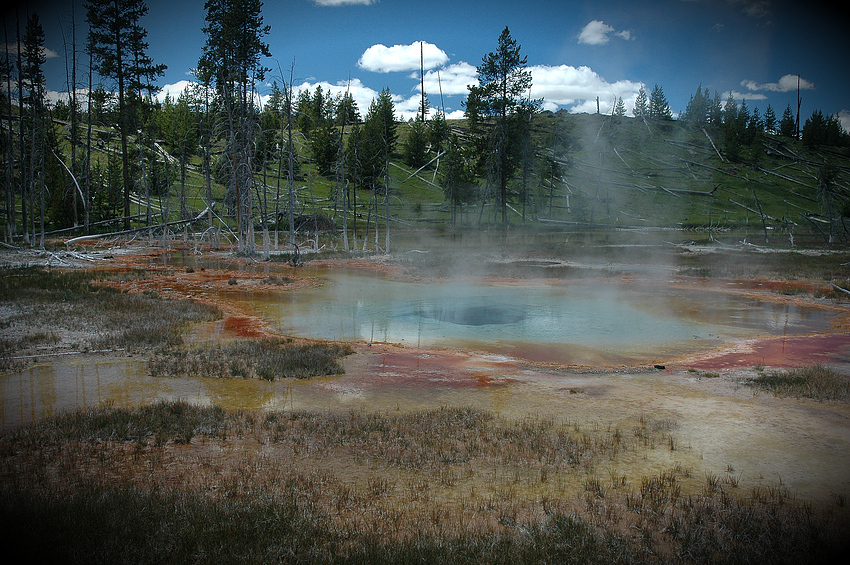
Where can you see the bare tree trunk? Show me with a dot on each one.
(73, 91)
(290, 175)
(387, 202)
(10, 167)
(88, 151)
(21, 138)
(368, 220)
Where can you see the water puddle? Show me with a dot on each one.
(45, 390)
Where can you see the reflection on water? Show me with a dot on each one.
(610, 321)
(45, 390)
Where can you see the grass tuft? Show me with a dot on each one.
(266, 359)
(817, 381)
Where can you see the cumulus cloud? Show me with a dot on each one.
(382, 59)
(173, 90)
(844, 119)
(12, 50)
(54, 96)
(451, 80)
(739, 96)
(344, 2)
(362, 94)
(787, 83)
(597, 31)
(578, 87)
(563, 86)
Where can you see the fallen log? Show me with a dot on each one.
(722, 160)
(844, 290)
(197, 218)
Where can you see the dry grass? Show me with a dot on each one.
(175, 483)
(267, 359)
(86, 315)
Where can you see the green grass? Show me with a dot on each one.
(817, 381)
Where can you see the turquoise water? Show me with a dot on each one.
(625, 319)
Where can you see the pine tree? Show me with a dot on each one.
(821, 130)
(730, 111)
(641, 108)
(659, 109)
(36, 119)
(619, 107)
(303, 112)
(347, 112)
(732, 129)
(378, 144)
(503, 81)
(415, 146)
(324, 145)
(696, 112)
(378, 139)
(6, 140)
(438, 131)
(231, 62)
(769, 120)
(715, 110)
(117, 43)
(787, 123)
(458, 176)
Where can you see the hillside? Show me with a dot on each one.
(630, 173)
(589, 172)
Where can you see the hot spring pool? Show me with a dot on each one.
(565, 321)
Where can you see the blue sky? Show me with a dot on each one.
(576, 50)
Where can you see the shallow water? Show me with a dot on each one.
(595, 321)
(48, 389)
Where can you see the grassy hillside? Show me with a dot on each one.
(626, 172)
(613, 172)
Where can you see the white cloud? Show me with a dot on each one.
(740, 96)
(844, 118)
(173, 90)
(455, 115)
(54, 96)
(382, 59)
(451, 80)
(344, 2)
(788, 83)
(578, 87)
(362, 94)
(596, 33)
(12, 50)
